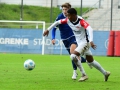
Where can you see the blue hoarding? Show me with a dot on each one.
(101, 40)
(31, 40)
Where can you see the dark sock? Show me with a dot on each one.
(83, 60)
(74, 66)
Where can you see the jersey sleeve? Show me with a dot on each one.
(53, 33)
(90, 31)
(87, 27)
(83, 23)
(54, 25)
(64, 21)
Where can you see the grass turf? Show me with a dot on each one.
(53, 72)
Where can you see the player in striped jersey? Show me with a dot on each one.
(84, 43)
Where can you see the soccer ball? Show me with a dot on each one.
(29, 64)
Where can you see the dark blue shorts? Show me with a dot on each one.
(68, 42)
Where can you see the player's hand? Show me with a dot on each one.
(93, 45)
(53, 41)
(46, 32)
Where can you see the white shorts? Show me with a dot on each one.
(84, 48)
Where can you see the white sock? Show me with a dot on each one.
(89, 64)
(74, 71)
(80, 67)
(98, 67)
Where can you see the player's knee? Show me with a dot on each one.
(89, 58)
(72, 56)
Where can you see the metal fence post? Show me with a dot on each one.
(21, 13)
(99, 3)
(51, 11)
(81, 8)
(111, 14)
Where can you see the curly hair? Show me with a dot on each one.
(72, 11)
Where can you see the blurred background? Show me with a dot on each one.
(102, 15)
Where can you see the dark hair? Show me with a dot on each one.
(72, 11)
(67, 5)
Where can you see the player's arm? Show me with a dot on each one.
(54, 31)
(62, 21)
(90, 31)
(46, 32)
(53, 35)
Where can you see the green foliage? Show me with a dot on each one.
(30, 13)
(53, 72)
(9, 12)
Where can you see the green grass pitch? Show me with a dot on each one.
(53, 72)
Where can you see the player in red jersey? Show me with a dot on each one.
(68, 39)
(76, 23)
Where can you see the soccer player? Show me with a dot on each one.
(84, 43)
(67, 36)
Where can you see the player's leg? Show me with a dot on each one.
(77, 61)
(72, 48)
(84, 57)
(76, 58)
(97, 65)
(67, 45)
(73, 45)
(74, 76)
(83, 60)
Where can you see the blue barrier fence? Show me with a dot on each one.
(101, 40)
(30, 41)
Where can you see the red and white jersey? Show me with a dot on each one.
(78, 27)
